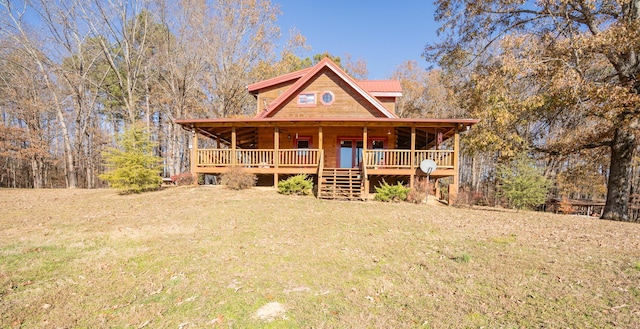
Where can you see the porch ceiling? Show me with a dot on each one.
(246, 128)
(246, 137)
(425, 137)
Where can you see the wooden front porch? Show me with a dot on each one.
(293, 161)
(373, 149)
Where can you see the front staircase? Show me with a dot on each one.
(341, 184)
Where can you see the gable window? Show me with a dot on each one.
(327, 98)
(308, 99)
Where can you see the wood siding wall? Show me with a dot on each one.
(331, 136)
(347, 104)
(389, 103)
(268, 95)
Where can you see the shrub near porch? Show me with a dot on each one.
(298, 184)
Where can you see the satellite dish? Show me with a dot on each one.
(428, 166)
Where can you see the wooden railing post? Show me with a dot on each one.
(276, 154)
(194, 155)
(234, 155)
(320, 168)
(365, 176)
(320, 145)
(412, 156)
(453, 188)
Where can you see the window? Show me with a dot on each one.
(377, 144)
(303, 143)
(327, 98)
(307, 99)
(378, 154)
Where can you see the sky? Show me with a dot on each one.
(383, 33)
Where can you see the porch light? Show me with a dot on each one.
(388, 131)
(289, 136)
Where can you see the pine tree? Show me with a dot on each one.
(132, 166)
(522, 184)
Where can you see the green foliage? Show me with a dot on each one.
(318, 57)
(132, 166)
(238, 179)
(462, 258)
(521, 183)
(298, 184)
(391, 193)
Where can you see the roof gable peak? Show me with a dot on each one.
(309, 74)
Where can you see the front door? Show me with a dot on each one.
(350, 153)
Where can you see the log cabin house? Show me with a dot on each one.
(342, 132)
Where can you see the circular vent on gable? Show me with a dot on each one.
(327, 98)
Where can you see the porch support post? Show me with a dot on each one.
(320, 160)
(365, 142)
(453, 188)
(276, 157)
(412, 157)
(320, 141)
(194, 155)
(234, 156)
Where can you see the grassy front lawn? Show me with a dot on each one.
(210, 257)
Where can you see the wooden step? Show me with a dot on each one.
(341, 184)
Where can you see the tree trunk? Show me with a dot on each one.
(619, 184)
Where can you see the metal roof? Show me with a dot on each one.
(391, 122)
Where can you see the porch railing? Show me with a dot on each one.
(214, 157)
(255, 158)
(265, 158)
(298, 157)
(381, 159)
(443, 158)
(258, 158)
(401, 159)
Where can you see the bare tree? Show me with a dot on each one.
(121, 28)
(80, 67)
(234, 37)
(15, 29)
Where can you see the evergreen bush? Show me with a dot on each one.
(391, 193)
(521, 183)
(298, 184)
(132, 167)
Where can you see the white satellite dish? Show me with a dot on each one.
(428, 166)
